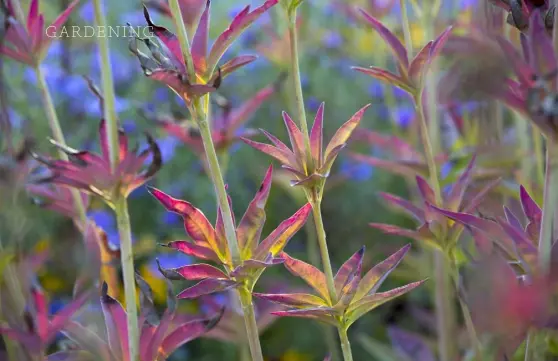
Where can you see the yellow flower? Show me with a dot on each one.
(294, 355)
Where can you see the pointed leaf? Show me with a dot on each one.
(201, 38)
(194, 272)
(348, 269)
(457, 192)
(235, 64)
(374, 278)
(191, 249)
(403, 205)
(206, 287)
(316, 136)
(278, 239)
(309, 274)
(368, 303)
(196, 224)
(344, 132)
(296, 137)
(116, 326)
(426, 192)
(323, 314)
(394, 43)
(297, 300)
(386, 77)
(250, 228)
(276, 153)
(417, 67)
(241, 21)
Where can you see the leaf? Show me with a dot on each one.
(240, 22)
(168, 39)
(417, 67)
(410, 345)
(70, 356)
(344, 132)
(297, 300)
(196, 224)
(398, 231)
(401, 167)
(205, 287)
(386, 77)
(278, 239)
(250, 228)
(316, 136)
(309, 274)
(296, 137)
(426, 192)
(186, 333)
(323, 314)
(459, 188)
(115, 323)
(393, 42)
(348, 268)
(359, 308)
(275, 152)
(191, 249)
(200, 40)
(374, 278)
(194, 272)
(236, 63)
(62, 317)
(404, 205)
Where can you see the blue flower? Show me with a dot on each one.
(356, 170)
(313, 103)
(122, 71)
(103, 218)
(376, 90)
(170, 219)
(129, 126)
(332, 40)
(404, 115)
(87, 12)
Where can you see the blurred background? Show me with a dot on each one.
(332, 39)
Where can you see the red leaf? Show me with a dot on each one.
(316, 136)
(386, 77)
(297, 300)
(206, 287)
(310, 274)
(347, 269)
(344, 132)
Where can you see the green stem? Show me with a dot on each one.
(550, 204)
(345, 344)
(318, 221)
(251, 325)
(183, 38)
(297, 84)
(200, 118)
(127, 260)
(58, 136)
(109, 108)
(445, 313)
(406, 29)
(539, 155)
(120, 203)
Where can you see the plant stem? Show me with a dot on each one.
(550, 203)
(406, 29)
(539, 155)
(127, 260)
(445, 314)
(251, 325)
(183, 38)
(318, 221)
(297, 83)
(200, 118)
(120, 203)
(58, 136)
(109, 108)
(345, 344)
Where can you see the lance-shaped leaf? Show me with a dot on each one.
(197, 226)
(348, 271)
(374, 278)
(533, 213)
(309, 274)
(368, 303)
(310, 167)
(250, 228)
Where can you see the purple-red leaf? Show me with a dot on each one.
(316, 136)
(344, 132)
(250, 228)
(417, 67)
(309, 274)
(404, 205)
(374, 278)
(458, 189)
(277, 240)
(194, 272)
(206, 287)
(279, 154)
(393, 42)
(386, 77)
(348, 269)
(191, 249)
(116, 326)
(296, 300)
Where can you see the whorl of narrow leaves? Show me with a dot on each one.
(92, 173)
(357, 294)
(309, 173)
(411, 71)
(210, 243)
(159, 337)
